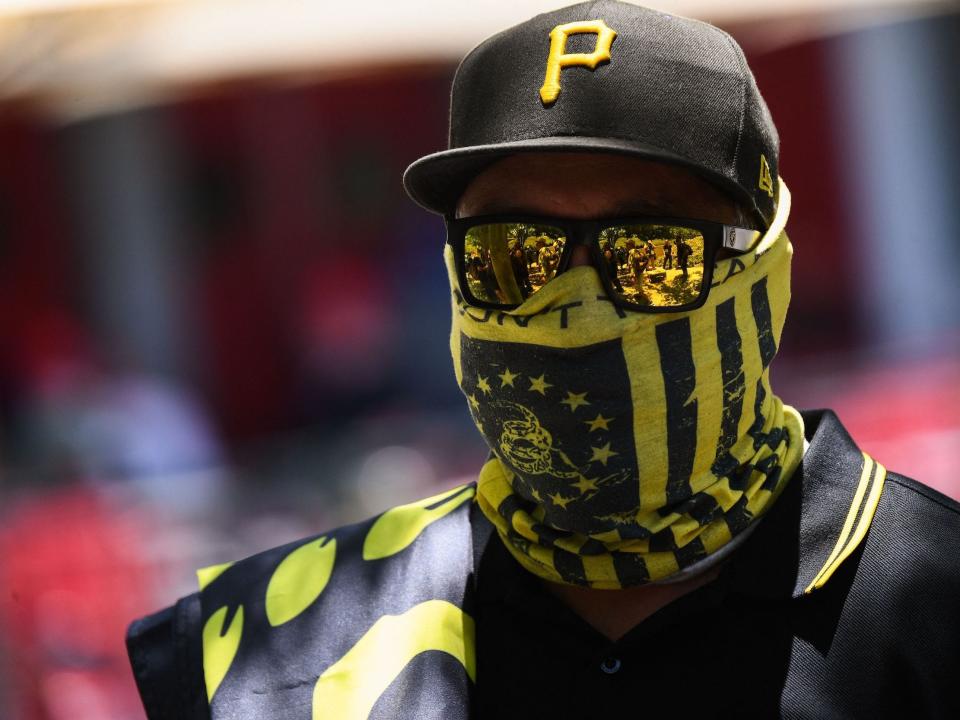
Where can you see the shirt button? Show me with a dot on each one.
(610, 665)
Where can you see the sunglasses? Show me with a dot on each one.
(646, 264)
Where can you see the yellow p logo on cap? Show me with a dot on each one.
(558, 59)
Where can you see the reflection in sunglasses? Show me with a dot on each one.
(507, 262)
(647, 264)
(654, 265)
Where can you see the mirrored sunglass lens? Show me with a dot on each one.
(505, 263)
(654, 265)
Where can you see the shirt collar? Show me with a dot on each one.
(798, 537)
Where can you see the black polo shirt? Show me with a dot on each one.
(880, 638)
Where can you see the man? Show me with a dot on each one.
(613, 270)
(638, 263)
(521, 272)
(683, 253)
(654, 531)
(548, 260)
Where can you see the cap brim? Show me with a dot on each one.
(436, 182)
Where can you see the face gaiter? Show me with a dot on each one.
(628, 446)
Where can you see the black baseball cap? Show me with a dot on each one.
(661, 87)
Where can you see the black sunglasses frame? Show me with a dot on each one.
(587, 232)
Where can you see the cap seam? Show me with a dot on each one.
(743, 100)
(456, 75)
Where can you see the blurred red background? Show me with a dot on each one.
(223, 325)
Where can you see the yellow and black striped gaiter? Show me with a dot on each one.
(627, 446)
